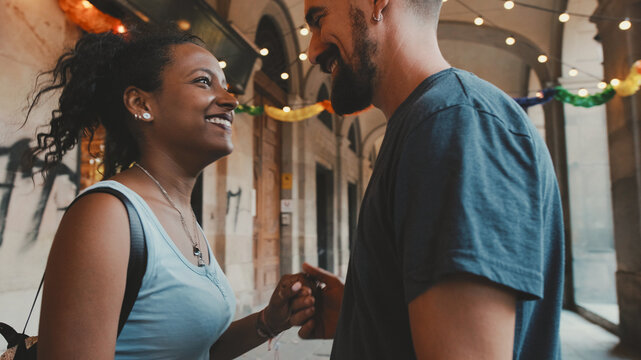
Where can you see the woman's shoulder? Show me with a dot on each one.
(95, 219)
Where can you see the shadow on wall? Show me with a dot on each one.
(15, 154)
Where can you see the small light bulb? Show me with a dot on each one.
(510, 40)
(183, 25)
(625, 24)
(539, 94)
(573, 72)
(86, 4)
(583, 92)
(508, 5)
(284, 76)
(543, 59)
(287, 109)
(602, 85)
(478, 21)
(264, 51)
(565, 17)
(302, 56)
(121, 29)
(615, 82)
(223, 64)
(304, 31)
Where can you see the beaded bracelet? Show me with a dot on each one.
(262, 328)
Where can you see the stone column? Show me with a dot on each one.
(620, 50)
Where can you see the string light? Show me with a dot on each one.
(86, 4)
(602, 85)
(302, 56)
(183, 25)
(615, 82)
(223, 64)
(625, 24)
(287, 109)
(573, 72)
(540, 94)
(584, 92)
(304, 31)
(121, 29)
(264, 51)
(564, 17)
(284, 76)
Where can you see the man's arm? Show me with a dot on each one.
(464, 317)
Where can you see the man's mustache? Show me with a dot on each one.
(327, 57)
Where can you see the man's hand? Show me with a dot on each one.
(323, 324)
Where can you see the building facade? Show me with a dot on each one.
(290, 191)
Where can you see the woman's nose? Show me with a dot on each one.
(227, 100)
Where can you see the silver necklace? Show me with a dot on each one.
(195, 244)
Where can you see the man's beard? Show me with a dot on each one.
(353, 89)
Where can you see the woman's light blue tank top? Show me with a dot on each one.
(181, 309)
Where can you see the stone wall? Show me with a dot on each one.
(620, 50)
(34, 35)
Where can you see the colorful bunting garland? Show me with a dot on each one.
(632, 82)
(584, 101)
(291, 115)
(542, 97)
(624, 88)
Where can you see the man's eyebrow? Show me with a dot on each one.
(309, 17)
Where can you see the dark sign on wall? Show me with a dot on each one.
(197, 17)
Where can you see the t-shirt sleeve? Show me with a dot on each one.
(467, 200)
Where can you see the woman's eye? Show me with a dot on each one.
(203, 80)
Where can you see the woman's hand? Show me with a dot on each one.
(323, 325)
(291, 304)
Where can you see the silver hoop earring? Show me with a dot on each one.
(146, 116)
(378, 18)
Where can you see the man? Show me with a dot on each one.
(459, 250)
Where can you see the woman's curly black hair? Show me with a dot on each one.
(93, 77)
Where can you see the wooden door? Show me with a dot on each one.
(267, 154)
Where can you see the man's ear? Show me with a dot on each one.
(137, 103)
(378, 7)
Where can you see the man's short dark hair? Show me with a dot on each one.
(426, 7)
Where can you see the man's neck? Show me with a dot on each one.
(406, 61)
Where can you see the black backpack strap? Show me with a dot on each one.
(137, 253)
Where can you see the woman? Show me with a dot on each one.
(163, 100)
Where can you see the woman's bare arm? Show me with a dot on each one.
(85, 281)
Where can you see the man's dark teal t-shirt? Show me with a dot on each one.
(463, 183)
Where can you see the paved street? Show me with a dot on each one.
(290, 347)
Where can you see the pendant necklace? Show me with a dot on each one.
(195, 244)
